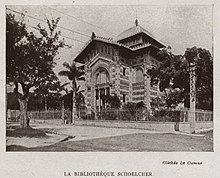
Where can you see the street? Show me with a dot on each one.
(66, 138)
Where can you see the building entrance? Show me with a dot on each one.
(102, 88)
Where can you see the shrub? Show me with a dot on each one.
(165, 115)
(109, 114)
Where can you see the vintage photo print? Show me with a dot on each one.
(93, 88)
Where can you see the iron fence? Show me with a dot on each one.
(200, 115)
(13, 115)
(163, 115)
(45, 115)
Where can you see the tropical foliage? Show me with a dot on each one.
(173, 76)
(30, 59)
(113, 101)
(74, 74)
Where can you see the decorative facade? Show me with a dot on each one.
(119, 67)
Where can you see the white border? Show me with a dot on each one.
(52, 165)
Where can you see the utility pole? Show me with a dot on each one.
(192, 111)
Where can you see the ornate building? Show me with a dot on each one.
(119, 67)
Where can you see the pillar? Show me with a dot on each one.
(192, 111)
(117, 79)
(99, 100)
(147, 89)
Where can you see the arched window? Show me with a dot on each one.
(139, 75)
(102, 76)
(97, 78)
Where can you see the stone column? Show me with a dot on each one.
(89, 101)
(192, 111)
(147, 88)
(99, 91)
(130, 84)
(117, 79)
(105, 92)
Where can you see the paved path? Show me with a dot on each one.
(92, 138)
(92, 132)
(57, 133)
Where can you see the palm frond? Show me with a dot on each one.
(81, 91)
(64, 73)
(81, 78)
(65, 84)
(73, 65)
(79, 73)
(67, 65)
(77, 89)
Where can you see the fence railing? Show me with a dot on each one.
(13, 115)
(159, 116)
(119, 114)
(45, 114)
(136, 115)
(200, 115)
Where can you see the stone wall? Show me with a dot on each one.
(166, 127)
(147, 125)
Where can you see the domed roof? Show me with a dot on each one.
(133, 31)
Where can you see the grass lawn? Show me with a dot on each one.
(141, 142)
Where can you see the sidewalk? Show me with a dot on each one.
(58, 133)
(92, 132)
(71, 133)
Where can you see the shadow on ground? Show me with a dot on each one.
(141, 142)
(15, 131)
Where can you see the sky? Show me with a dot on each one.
(179, 26)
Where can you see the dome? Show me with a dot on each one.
(133, 31)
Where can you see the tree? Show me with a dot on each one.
(204, 76)
(140, 105)
(173, 76)
(35, 102)
(48, 89)
(113, 101)
(133, 111)
(74, 74)
(157, 102)
(79, 99)
(30, 59)
(12, 102)
(131, 106)
(168, 73)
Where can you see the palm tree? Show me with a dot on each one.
(74, 74)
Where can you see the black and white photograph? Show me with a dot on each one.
(109, 78)
(111, 88)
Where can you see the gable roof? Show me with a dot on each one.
(110, 41)
(99, 39)
(133, 31)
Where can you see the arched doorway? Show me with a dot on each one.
(102, 87)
